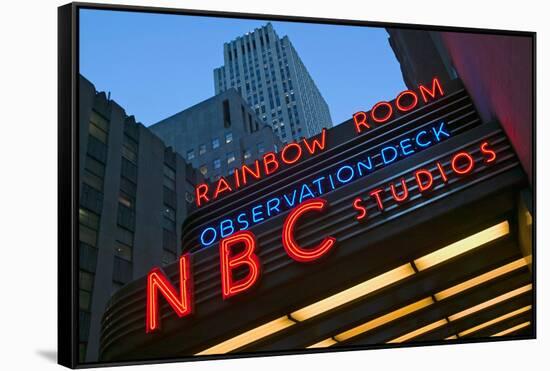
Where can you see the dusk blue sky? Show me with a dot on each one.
(155, 65)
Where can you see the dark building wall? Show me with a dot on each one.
(421, 56)
(215, 119)
(497, 70)
(149, 216)
(134, 193)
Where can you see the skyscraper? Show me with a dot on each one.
(269, 74)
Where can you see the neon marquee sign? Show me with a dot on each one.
(294, 152)
(334, 177)
(239, 251)
(238, 245)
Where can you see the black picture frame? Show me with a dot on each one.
(68, 197)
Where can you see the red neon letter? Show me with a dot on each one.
(298, 153)
(376, 195)
(237, 180)
(442, 172)
(201, 193)
(270, 159)
(229, 262)
(245, 169)
(489, 152)
(409, 107)
(360, 208)
(222, 187)
(428, 181)
(425, 92)
(360, 120)
(405, 194)
(181, 303)
(456, 159)
(289, 243)
(316, 143)
(384, 118)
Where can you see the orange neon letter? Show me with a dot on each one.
(201, 193)
(270, 163)
(360, 121)
(316, 143)
(436, 88)
(181, 302)
(229, 262)
(289, 243)
(487, 151)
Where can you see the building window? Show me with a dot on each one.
(123, 251)
(215, 143)
(169, 213)
(125, 236)
(203, 169)
(86, 280)
(247, 154)
(228, 137)
(169, 180)
(190, 154)
(98, 133)
(98, 127)
(217, 163)
(92, 180)
(84, 300)
(129, 149)
(125, 217)
(230, 157)
(88, 218)
(226, 113)
(202, 149)
(122, 270)
(125, 200)
(95, 166)
(82, 352)
(261, 148)
(87, 235)
(85, 285)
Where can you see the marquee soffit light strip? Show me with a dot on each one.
(450, 292)
(489, 303)
(354, 292)
(462, 246)
(512, 329)
(495, 320)
(358, 291)
(473, 309)
(323, 343)
(420, 331)
(485, 277)
(460, 288)
(382, 320)
(250, 336)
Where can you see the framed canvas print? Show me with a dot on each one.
(235, 185)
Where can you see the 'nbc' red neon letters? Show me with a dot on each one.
(246, 258)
